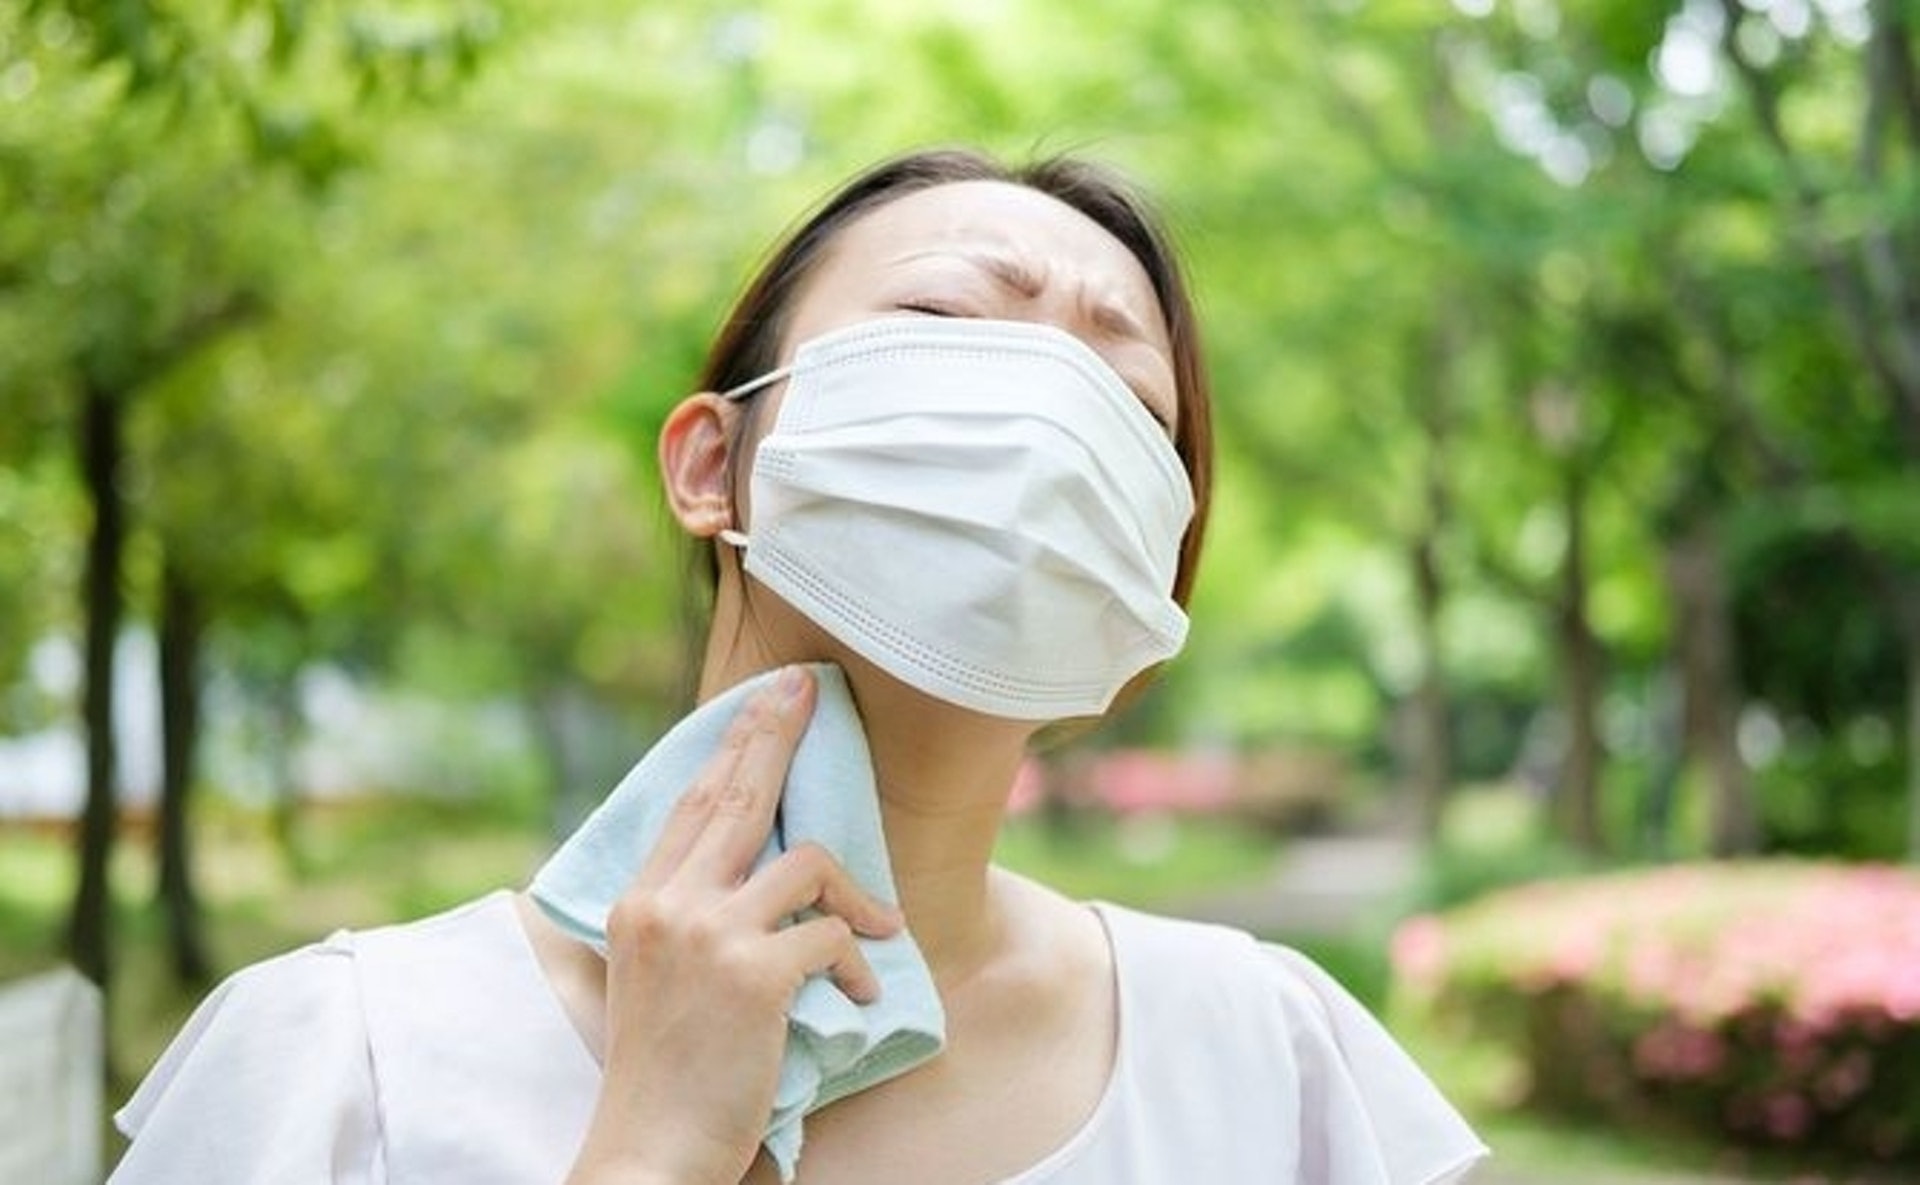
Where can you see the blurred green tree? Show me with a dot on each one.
(128, 261)
(1756, 137)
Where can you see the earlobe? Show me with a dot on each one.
(695, 444)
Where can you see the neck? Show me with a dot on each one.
(943, 776)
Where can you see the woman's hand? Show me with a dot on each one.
(702, 965)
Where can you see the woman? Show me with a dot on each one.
(954, 442)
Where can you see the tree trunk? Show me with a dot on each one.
(1704, 648)
(1666, 760)
(101, 448)
(181, 636)
(1578, 802)
(1431, 379)
(1432, 749)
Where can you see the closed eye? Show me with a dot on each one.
(929, 308)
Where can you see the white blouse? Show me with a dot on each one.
(436, 1051)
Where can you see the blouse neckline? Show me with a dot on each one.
(500, 904)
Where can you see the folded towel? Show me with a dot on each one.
(835, 1047)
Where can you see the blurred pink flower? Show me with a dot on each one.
(1787, 1116)
(1029, 788)
(1133, 781)
(1677, 1052)
(1845, 1080)
(1419, 952)
(1577, 955)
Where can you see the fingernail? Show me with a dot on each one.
(792, 682)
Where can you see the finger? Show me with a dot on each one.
(690, 814)
(827, 944)
(809, 878)
(736, 829)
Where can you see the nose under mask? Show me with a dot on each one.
(982, 509)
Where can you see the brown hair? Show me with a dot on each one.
(749, 342)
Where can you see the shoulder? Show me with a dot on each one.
(257, 1012)
(274, 1075)
(1282, 1043)
(1189, 964)
(1220, 966)
(1262, 1008)
(482, 928)
(1218, 947)
(268, 1079)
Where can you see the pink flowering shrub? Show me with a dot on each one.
(1132, 782)
(1275, 787)
(1772, 1003)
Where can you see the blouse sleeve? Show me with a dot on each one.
(1365, 1093)
(270, 1080)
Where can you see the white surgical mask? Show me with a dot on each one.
(980, 508)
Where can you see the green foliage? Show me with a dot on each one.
(1357, 962)
(1143, 861)
(1457, 873)
(1834, 793)
(1493, 837)
(37, 511)
(396, 366)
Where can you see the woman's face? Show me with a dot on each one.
(977, 249)
(988, 249)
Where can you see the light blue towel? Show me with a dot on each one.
(835, 1047)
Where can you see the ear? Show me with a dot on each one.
(693, 463)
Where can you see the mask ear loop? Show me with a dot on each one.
(738, 394)
(749, 387)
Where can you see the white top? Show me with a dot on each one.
(436, 1051)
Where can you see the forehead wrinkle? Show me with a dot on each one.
(1010, 271)
(1022, 277)
(1028, 279)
